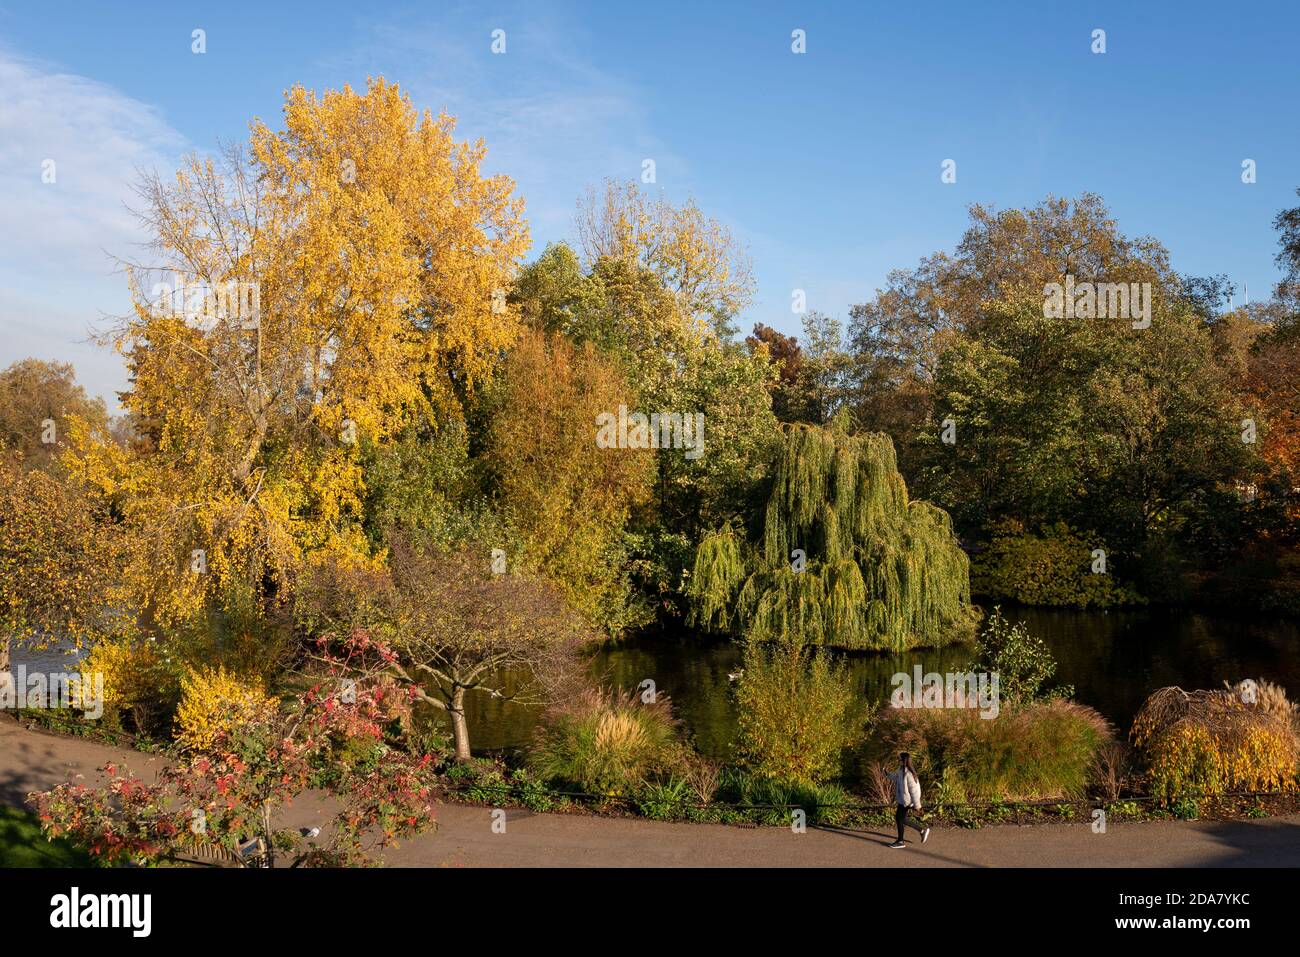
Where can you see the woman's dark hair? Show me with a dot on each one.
(906, 759)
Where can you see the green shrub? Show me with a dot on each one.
(607, 743)
(795, 714)
(1053, 567)
(1123, 809)
(480, 780)
(531, 792)
(767, 801)
(827, 804)
(1022, 662)
(664, 801)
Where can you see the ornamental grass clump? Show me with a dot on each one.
(1046, 749)
(608, 743)
(1212, 742)
(843, 558)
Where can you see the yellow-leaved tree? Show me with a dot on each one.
(567, 499)
(695, 257)
(307, 295)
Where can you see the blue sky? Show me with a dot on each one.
(826, 164)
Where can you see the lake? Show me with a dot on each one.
(1114, 659)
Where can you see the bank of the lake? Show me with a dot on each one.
(1114, 659)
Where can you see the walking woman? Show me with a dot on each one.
(907, 795)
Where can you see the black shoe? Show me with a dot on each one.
(897, 844)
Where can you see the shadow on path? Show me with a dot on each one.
(885, 838)
(1273, 842)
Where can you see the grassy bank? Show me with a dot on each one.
(23, 845)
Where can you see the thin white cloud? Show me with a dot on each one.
(550, 119)
(96, 137)
(57, 239)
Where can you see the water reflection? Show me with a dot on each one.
(1113, 659)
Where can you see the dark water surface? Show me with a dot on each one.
(1114, 660)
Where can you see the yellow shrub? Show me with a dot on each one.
(1211, 742)
(134, 674)
(215, 702)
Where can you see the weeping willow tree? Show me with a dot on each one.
(842, 557)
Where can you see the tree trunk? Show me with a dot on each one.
(267, 858)
(459, 729)
(7, 679)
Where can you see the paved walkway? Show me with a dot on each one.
(33, 760)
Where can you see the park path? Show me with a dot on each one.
(34, 760)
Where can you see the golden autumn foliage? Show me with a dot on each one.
(695, 257)
(1212, 742)
(58, 558)
(379, 254)
(398, 222)
(567, 499)
(137, 679)
(215, 702)
(127, 669)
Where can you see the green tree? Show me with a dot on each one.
(839, 555)
(671, 363)
(824, 375)
(1133, 433)
(551, 292)
(899, 337)
(1023, 662)
(37, 403)
(425, 482)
